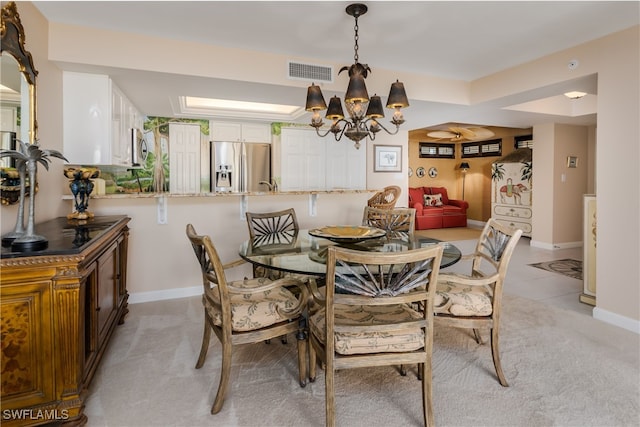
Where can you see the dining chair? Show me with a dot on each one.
(245, 311)
(376, 310)
(474, 301)
(385, 199)
(271, 228)
(395, 222)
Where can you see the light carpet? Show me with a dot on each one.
(568, 267)
(564, 369)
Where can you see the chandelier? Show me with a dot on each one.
(364, 111)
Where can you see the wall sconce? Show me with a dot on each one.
(464, 167)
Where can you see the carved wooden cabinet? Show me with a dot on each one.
(59, 308)
(512, 190)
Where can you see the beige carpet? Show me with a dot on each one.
(451, 234)
(564, 368)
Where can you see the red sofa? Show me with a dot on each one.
(452, 213)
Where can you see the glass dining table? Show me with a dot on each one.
(305, 253)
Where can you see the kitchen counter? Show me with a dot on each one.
(252, 194)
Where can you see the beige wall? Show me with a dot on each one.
(558, 189)
(616, 61)
(158, 263)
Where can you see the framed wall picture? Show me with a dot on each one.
(387, 158)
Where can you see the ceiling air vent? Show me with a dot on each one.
(316, 73)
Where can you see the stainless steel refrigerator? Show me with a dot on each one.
(240, 166)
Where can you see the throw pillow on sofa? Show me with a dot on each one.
(433, 199)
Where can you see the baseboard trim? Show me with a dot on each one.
(472, 223)
(617, 320)
(139, 297)
(555, 246)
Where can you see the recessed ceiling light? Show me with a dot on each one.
(575, 94)
(226, 104)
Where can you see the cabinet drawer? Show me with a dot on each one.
(518, 212)
(515, 223)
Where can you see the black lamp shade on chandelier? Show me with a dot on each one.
(363, 111)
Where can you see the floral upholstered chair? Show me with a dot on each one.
(245, 311)
(475, 300)
(377, 310)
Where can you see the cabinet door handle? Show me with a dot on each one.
(97, 308)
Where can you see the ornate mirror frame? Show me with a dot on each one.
(12, 42)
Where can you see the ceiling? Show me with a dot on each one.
(450, 39)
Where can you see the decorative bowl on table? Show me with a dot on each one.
(347, 233)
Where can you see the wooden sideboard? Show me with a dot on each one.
(59, 308)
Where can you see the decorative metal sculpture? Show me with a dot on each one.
(27, 160)
(81, 187)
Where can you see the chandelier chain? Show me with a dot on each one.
(355, 39)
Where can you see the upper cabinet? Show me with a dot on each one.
(310, 162)
(240, 132)
(97, 120)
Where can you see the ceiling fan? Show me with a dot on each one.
(455, 134)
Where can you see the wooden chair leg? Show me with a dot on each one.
(206, 336)
(225, 374)
(427, 393)
(302, 355)
(403, 370)
(495, 353)
(330, 398)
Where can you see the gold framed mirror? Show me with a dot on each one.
(18, 74)
(17, 96)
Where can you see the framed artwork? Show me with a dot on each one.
(387, 158)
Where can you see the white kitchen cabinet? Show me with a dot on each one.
(346, 165)
(309, 162)
(97, 120)
(240, 131)
(184, 158)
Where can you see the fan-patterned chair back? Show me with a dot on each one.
(377, 310)
(395, 222)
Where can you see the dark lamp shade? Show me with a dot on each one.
(335, 109)
(374, 111)
(397, 96)
(315, 100)
(464, 165)
(357, 90)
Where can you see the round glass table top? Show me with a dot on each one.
(304, 253)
